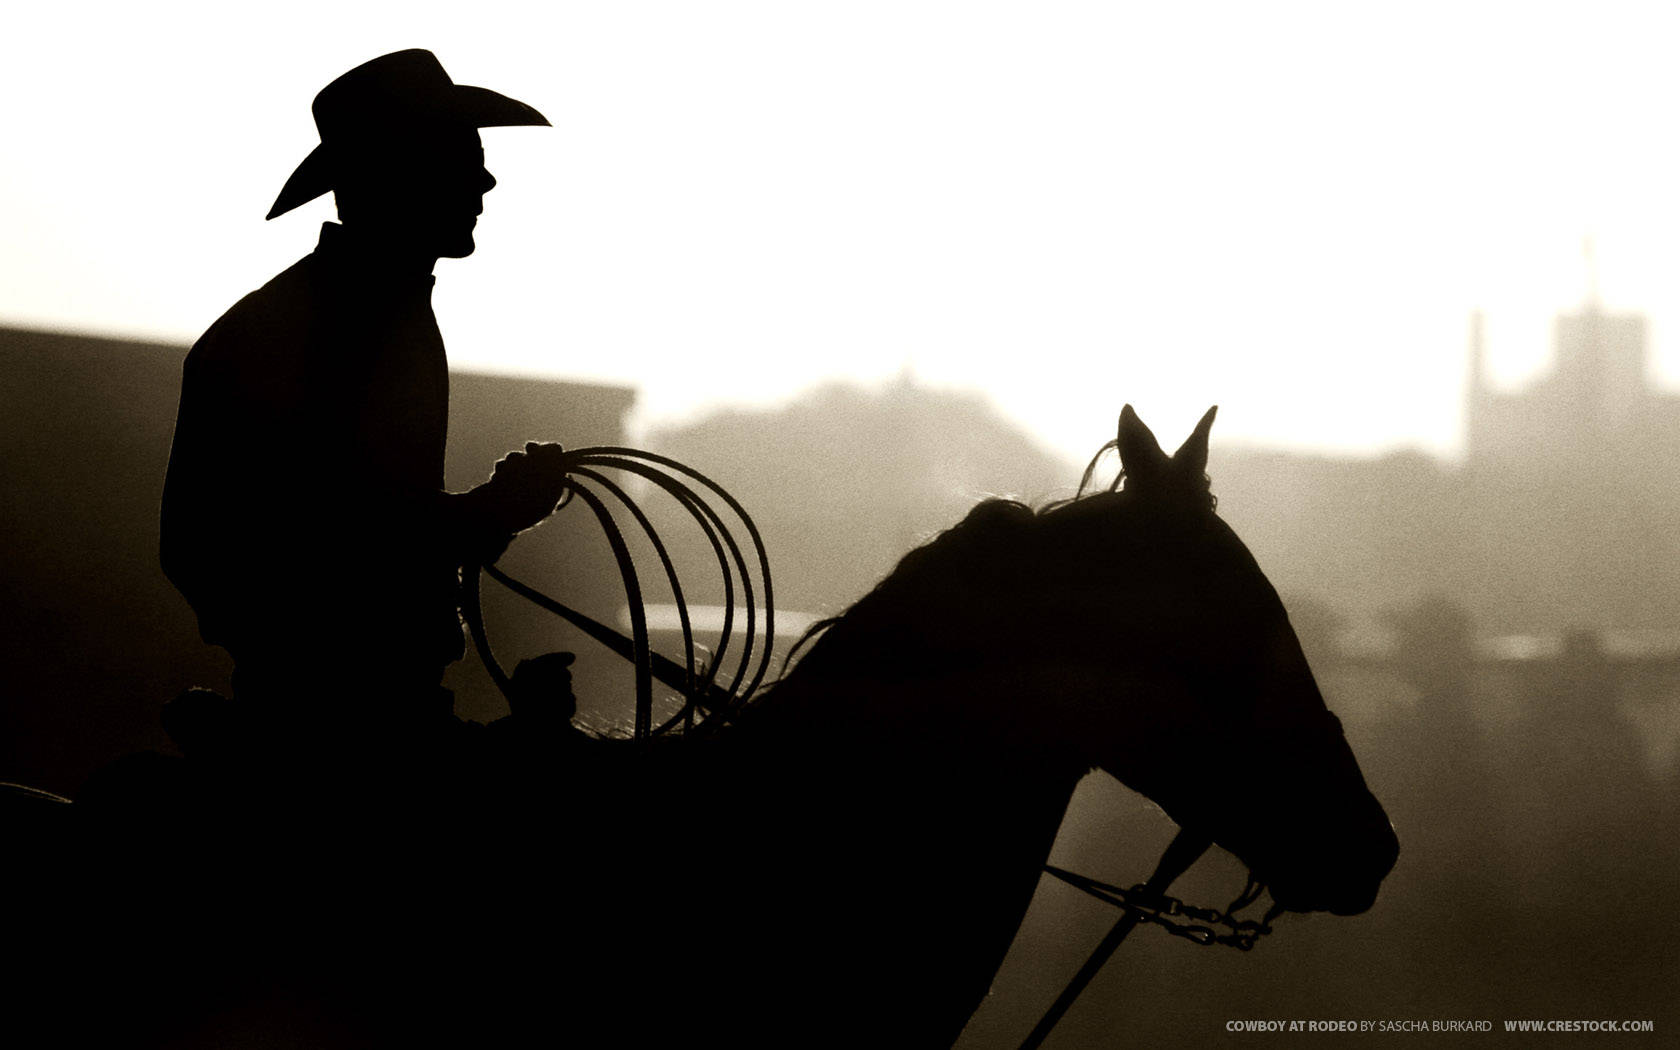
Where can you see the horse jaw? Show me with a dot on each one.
(1286, 799)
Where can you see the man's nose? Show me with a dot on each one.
(487, 181)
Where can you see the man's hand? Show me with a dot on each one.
(526, 486)
(541, 690)
(524, 489)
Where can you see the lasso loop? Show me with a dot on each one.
(697, 685)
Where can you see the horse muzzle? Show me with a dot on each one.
(1340, 876)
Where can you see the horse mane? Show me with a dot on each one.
(955, 563)
(962, 563)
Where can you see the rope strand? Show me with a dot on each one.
(698, 687)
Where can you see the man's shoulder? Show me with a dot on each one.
(271, 320)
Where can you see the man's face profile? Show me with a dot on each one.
(422, 191)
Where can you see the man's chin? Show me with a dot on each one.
(459, 248)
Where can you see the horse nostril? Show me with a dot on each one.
(1391, 851)
(1358, 891)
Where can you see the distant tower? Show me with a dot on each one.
(1598, 376)
(1476, 393)
(1593, 402)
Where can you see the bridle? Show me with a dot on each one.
(1157, 908)
(696, 681)
(1148, 902)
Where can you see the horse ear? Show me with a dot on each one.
(1191, 457)
(1140, 453)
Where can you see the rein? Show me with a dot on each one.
(1148, 902)
(1162, 910)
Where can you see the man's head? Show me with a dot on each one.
(400, 151)
(420, 194)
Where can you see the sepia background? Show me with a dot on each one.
(867, 263)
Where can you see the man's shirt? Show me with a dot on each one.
(303, 513)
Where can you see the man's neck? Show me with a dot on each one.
(387, 250)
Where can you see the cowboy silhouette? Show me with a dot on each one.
(304, 514)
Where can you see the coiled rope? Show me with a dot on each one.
(696, 494)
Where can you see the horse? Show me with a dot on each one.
(846, 861)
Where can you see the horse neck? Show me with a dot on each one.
(941, 746)
(1056, 709)
(932, 830)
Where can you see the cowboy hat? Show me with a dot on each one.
(400, 92)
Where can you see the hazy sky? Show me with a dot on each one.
(1288, 209)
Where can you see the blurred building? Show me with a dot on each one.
(843, 481)
(1593, 404)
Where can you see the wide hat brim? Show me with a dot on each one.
(444, 103)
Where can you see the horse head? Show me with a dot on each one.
(1226, 729)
